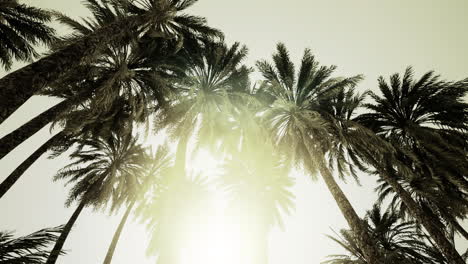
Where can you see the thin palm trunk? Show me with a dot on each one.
(118, 232)
(431, 224)
(18, 86)
(19, 135)
(446, 248)
(351, 216)
(63, 236)
(18, 172)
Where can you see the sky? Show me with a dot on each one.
(360, 36)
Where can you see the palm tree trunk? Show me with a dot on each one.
(18, 136)
(356, 224)
(63, 236)
(18, 86)
(16, 174)
(115, 239)
(429, 223)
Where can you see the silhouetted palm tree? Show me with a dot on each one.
(299, 130)
(425, 120)
(447, 205)
(118, 119)
(104, 172)
(22, 27)
(398, 241)
(138, 71)
(157, 18)
(29, 249)
(201, 103)
(125, 84)
(156, 166)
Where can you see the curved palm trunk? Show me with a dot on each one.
(118, 232)
(16, 174)
(63, 236)
(19, 135)
(18, 86)
(429, 223)
(356, 224)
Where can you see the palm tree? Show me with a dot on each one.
(31, 249)
(119, 118)
(104, 171)
(14, 176)
(425, 120)
(399, 241)
(169, 216)
(138, 69)
(201, 103)
(299, 130)
(426, 117)
(258, 183)
(447, 204)
(22, 27)
(156, 18)
(126, 81)
(156, 166)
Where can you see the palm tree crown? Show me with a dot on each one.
(104, 170)
(32, 249)
(22, 27)
(399, 241)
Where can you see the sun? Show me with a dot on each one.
(218, 238)
(218, 241)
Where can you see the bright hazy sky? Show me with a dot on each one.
(360, 36)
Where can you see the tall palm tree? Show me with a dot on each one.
(427, 117)
(201, 102)
(257, 181)
(157, 18)
(399, 241)
(156, 166)
(299, 130)
(104, 171)
(32, 248)
(339, 109)
(169, 216)
(448, 205)
(425, 120)
(22, 27)
(119, 118)
(137, 69)
(126, 83)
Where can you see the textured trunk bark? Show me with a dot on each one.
(429, 223)
(20, 85)
(16, 174)
(18, 136)
(115, 239)
(351, 216)
(63, 236)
